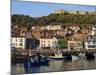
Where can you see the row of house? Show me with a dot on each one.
(53, 42)
(51, 27)
(90, 43)
(53, 37)
(24, 43)
(57, 30)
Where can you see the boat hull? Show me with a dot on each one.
(61, 58)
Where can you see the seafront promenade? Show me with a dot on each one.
(51, 51)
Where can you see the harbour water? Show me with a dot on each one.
(55, 66)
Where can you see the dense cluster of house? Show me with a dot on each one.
(72, 37)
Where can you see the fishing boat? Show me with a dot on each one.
(82, 55)
(59, 56)
(37, 61)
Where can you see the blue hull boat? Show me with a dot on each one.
(36, 62)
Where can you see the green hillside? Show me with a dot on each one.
(54, 19)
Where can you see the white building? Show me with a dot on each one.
(48, 42)
(90, 43)
(93, 31)
(74, 45)
(18, 42)
(51, 27)
(60, 11)
(74, 28)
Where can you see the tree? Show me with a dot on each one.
(61, 19)
(62, 43)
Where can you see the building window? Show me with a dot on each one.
(54, 42)
(21, 40)
(20, 44)
(16, 44)
(49, 45)
(43, 41)
(11, 40)
(16, 40)
(71, 44)
(42, 45)
(79, 44)
(91, 46)
(89, 42)
(11, 44)
(93, 42)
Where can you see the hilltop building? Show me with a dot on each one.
(61, 11)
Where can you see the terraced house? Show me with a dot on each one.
(18, 42)
(74, 44)
(51, 27)
(90, 43)
(48, 42)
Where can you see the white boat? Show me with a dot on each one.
(58, 56)
(82, 55)
(75, 58)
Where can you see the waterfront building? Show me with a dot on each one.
(90, 43)
(74, 44)
(48, 42)
(18, 42)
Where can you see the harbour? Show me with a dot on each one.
(55, 66)
(36, 62)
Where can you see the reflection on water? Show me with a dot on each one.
(80, 64)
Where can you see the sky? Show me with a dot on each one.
(37, 9)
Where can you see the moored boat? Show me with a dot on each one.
(37, 61)
(59, 56)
